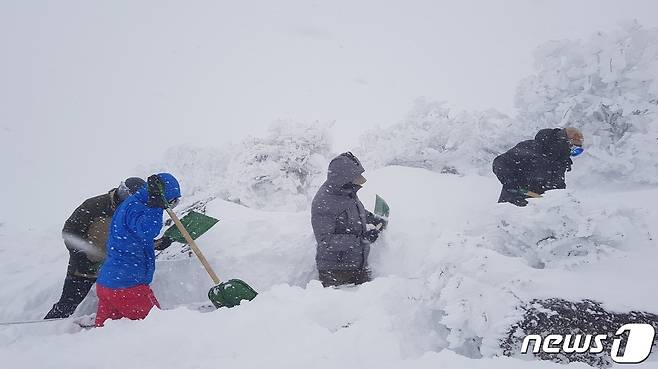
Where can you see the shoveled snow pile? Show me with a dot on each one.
(450, 272)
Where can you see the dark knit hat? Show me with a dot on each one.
(129, 187)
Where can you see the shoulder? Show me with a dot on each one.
(528, 145)
(327, 203)
(139, 217)
(98, 205)
(134, 206)
(323, 193)
(523, 149)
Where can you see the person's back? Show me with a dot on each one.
(130, 250)
(535, 166)
(87, 229)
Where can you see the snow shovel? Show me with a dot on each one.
(381, 207)
(196, 224)
(223, 294)
(381, 212)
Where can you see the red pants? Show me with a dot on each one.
(133, 303)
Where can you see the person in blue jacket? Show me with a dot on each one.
(123, 282)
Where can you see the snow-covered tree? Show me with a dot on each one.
(608, 87)
(281, 170)
(278, 171)
(432, 137)
(201, 167)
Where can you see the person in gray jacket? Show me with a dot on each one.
(340, 223)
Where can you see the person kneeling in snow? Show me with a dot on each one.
(533, 167)
(123, 283)
(339, 223)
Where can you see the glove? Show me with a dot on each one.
(156, 197)
(163, 243)
(376, 221)
(379, 223)
(371, 235)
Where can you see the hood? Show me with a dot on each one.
(171, 188)
(553, 142)
(344, 169)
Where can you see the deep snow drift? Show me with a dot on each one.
(451, 270)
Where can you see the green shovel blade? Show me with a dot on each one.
(381, 207)
(231, 293)
(195, 223)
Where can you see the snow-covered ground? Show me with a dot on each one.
(450, 272)
(91, 94)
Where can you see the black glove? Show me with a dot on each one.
(163, 243)
(156, 197)
(371, 235)
(379, 222)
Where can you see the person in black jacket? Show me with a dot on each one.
(533, 167)
(85, 234)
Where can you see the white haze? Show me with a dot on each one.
(91, 90)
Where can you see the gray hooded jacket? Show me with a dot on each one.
(339, 218)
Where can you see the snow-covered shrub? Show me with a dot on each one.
(281, 170)
(479, 277)
(200, 169)
(431, 137)
(608, 87)
(560, 231)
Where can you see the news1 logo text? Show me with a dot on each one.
(638, 347)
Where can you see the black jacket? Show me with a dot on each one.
(90, 222)
(535, 165)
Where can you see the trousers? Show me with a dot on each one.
(133, 303)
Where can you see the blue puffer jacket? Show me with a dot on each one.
(130, 251)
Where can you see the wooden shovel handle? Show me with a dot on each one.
(193, 245)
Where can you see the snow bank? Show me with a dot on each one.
(376, 325)
(451, 271)
(562, 231)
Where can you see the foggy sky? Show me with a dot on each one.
(89, 90)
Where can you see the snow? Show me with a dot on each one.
(605, 86)
(432, 136)
(445, 282)
(256, 335)
(453, 266)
